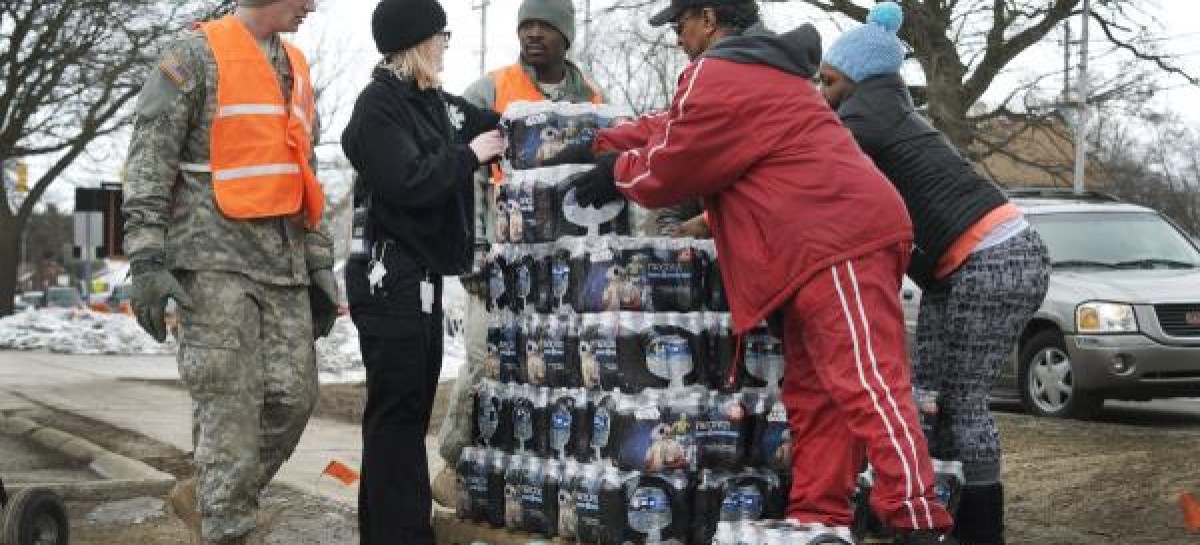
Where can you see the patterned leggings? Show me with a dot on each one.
(966, 331)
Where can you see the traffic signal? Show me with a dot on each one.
(104, 204)
(22, 177)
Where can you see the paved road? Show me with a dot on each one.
(90, 386)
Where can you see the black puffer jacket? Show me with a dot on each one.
(943, 192)
(414, 169)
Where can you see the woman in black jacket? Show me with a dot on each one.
(415, 149)
(984, 272)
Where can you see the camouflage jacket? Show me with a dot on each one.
(172, 215)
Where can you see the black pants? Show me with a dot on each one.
(394, 500)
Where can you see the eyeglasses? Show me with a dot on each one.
(445, 34)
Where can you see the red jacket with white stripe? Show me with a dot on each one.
(787, 190)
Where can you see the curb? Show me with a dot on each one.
(99, 490)
(123, 477)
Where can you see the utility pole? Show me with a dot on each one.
(587, 35)
(1082, 102)
(1066, 96)
(482, 6)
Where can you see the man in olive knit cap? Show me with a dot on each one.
(546, 30)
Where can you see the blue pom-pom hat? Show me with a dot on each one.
(871, 49)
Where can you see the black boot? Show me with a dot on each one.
(980, 518)
(923, 537)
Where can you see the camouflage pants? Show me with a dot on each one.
(246, 356)
(455, 433)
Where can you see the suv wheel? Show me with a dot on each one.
(1047, 381)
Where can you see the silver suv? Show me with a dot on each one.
(1121, 319)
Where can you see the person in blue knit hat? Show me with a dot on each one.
(984, 272)
(871, 49)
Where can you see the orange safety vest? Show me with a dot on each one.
(513, 84)
(259, 146)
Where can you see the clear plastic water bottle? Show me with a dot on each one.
(726, 534)
(744, 533)
(775, 533)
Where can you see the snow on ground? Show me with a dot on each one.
(340, 360)
(71, 331)
(86, 332)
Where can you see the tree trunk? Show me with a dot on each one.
(10, 257)
(948, 112)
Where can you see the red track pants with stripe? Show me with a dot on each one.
(848, 393)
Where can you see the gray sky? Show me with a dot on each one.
(351, 19)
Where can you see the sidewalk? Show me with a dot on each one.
(90, 386)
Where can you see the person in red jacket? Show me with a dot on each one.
(808, 230)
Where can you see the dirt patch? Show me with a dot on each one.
(287, 517)
(342, 402)
(1071, 482)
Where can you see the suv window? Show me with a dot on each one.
(1114, 240)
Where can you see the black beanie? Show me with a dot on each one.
(401, 24)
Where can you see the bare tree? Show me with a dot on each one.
(963, 47)
(68, 69)
(636, 64)
(1154, 162)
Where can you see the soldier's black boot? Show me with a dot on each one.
(923, 537)
(980, 518)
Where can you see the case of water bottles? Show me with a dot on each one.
(615, 407)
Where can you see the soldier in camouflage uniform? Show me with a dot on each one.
(252, 294)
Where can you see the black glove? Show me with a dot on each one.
(597, 187)
(153, 284)
(322, 300)
(574, 154)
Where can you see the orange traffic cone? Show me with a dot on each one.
(1191, 511)
(341, 472)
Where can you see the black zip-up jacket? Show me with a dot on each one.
(414, 169)
(944, 194)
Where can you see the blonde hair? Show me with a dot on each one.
(415, 63)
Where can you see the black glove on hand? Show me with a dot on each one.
(322, 298)
(597, 187)
(574, 154)
(152, 286)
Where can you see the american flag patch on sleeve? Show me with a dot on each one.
(173, 68)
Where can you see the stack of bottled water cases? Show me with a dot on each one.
(615, 407)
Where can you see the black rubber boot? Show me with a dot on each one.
(980, 519)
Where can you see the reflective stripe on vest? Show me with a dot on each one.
(513, 84)
(260, 145)
(251, 109)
